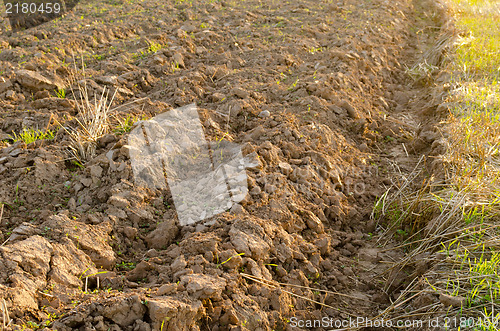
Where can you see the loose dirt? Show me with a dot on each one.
(318, 90)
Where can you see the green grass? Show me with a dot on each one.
(31, 135)
(61, 93)
(478, 51)
(460, 216)
(474, 126)
(472, 274)
(155, 47)
(125, 124)
(152, 49)
(124, 266)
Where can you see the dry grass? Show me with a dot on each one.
(433, 58)
(453, 224)
(460, 243)
(5, 315)
(274, 284)
(92, 120)
(93, 123)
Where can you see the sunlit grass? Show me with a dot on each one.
(31, 135)
(478, 50)
(459, 215)
(125, 124)
(471, 196)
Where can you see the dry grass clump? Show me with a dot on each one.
(93, 122)
(96, 117)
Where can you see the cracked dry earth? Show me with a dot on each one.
(317, 89)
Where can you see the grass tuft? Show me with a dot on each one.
(93, 123)
(126, 124)
(61, 93)
(31, 135)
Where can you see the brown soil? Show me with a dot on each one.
(317, 89)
